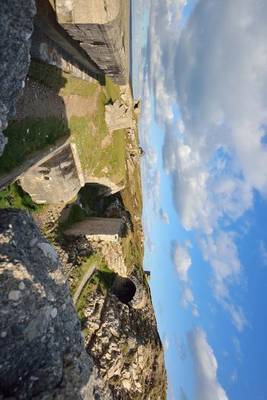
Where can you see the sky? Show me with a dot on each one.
(200, 69)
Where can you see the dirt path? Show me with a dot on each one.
(83, 282)
(39, 101)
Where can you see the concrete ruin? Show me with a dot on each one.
(97, 229)
(55, 175)
(55, 178)
(101, 27)
(119, 116)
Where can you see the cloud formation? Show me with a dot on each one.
(183, 263)
(205, 364)
(216, 153)
(164, 216)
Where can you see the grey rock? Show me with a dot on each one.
(42, 352)
(16, 25)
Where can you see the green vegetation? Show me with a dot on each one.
(79, 271)
(132, 251)
(102, 279)
(62, 82)
(97, 159)
(102, 154)
(14, 197)
(113, 90)
(28, 136)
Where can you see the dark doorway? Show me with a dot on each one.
(124, 289)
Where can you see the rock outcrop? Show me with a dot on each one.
(42, 351)
(125, 346)
(16, 25)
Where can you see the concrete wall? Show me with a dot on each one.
(87, 11)
(106, 229)
(102, 29)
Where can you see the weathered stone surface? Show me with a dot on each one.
(126, 348)
(87, 12)
(101, 27)
(16, 24)
(118, 116)
(42, 353)
(55, 178)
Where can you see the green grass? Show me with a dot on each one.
(14, 197)
(107, 162)
(79, 271)
(62, 82)
(102, 279)
(113, 90)
(27, 136)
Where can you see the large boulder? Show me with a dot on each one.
(42, 352)
(16, 25)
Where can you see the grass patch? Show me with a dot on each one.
(27, 136)
(79, 271)
(102, 279)
(88, 135)
(132, 251)
(113, 90)
(62, 82)
(14, 197)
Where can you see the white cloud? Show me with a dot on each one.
(166, 343)
(182, 261)
(164, 216)
(205, 364)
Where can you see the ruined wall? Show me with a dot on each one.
(102, 29)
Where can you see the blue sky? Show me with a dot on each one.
(200, 68)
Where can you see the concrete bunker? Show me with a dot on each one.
(124, 289)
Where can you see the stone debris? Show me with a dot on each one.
(119, 116)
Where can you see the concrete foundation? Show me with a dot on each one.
(97, 229)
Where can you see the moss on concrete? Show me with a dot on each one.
(14, 197)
